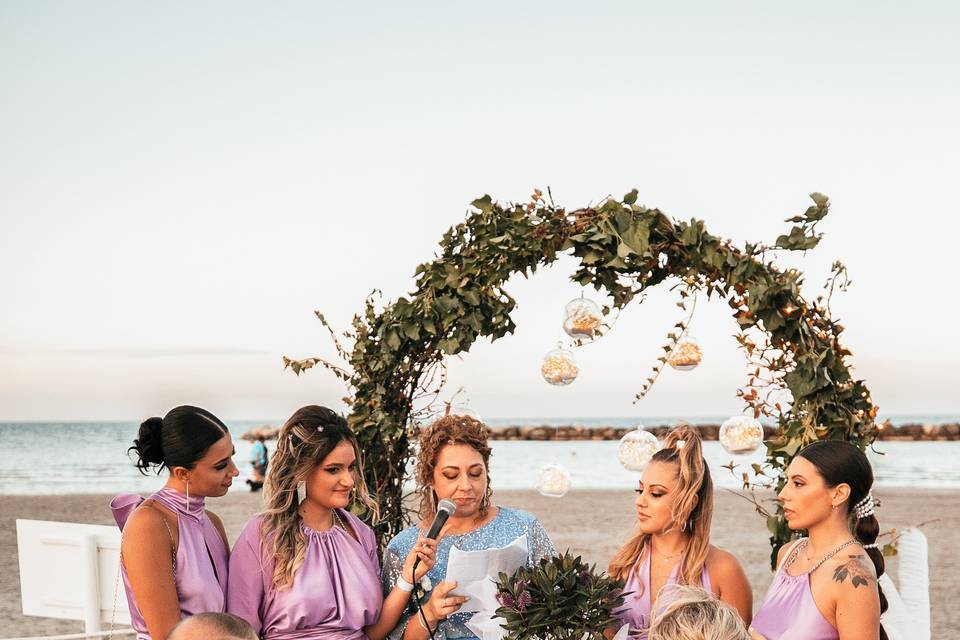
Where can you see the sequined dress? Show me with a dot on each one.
(508, 525)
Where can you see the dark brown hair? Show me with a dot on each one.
(840, 462)
(179, 439)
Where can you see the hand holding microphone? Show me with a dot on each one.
(445, 509)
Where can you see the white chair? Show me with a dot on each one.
(72, 572)
(908, 609)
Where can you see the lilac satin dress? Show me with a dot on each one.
(788, 611)
(636, 611)
(200, 574)
(335, 592)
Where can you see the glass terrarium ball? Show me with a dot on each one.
(558, 367)
(741, 434)
(582, 318)
(686, 355)
(554, 481)
(636, 448)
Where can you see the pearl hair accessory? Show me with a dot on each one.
(865, 508)
(680, 444)
(320, 429)
(872, 545)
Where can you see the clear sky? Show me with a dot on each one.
(183, 183)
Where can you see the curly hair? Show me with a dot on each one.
(303, 442)
(449, 429)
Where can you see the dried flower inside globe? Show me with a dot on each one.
(637, 448)
(741, 434)
(582, 318)
(558, 367)
(686, 355)
(554, 481)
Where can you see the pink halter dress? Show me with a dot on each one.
(788, 612)
(636, 611)
(200, 570)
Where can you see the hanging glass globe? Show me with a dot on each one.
(637, 448)
(582, 318)
(686, 355)
(558, 367)
(741, 434)
(554, 481)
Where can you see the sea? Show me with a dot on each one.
(40, 458)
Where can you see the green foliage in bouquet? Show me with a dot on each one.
(792, 343)
(561, 598)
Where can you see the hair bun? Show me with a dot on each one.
(148, 445)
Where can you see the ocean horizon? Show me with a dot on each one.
(61, 457)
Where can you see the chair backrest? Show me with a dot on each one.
(915, 580)
(71, 571)
(908, 608)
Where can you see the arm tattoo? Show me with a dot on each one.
(854, 570)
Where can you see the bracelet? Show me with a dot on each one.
(421, 617)
(403, 585)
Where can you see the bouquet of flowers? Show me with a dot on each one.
(561, 598)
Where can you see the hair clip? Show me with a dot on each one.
(320, 429)
(872, 545)
(680, 443)
(865, 508)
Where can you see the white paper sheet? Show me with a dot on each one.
(475, 573)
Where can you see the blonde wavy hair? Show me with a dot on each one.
(694, 614)
(692, 510)
(450, 429)
(303, 442)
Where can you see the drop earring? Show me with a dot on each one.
(301, 491)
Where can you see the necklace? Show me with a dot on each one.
(806, 542)
(335, 520)
(671, 557)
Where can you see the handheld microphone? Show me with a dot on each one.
(445, 509)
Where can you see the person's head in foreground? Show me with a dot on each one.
(454, 464)
(212, 626)
(828, 494)
(316, 469)
(193, 445)
(675, 496)
(693, 614)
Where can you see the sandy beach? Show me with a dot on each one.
(591, 523)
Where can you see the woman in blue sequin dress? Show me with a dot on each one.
(454, 464)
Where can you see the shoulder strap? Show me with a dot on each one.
(173, 548)
(791, 553)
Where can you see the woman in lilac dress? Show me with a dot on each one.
(671, 544)
(825, 587)
(173, 551)
(306, 568)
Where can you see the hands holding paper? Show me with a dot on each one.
(441, 604)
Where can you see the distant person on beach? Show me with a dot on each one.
(259, 459)
(694, 614)
(307, 567)
(825, 586)
(671, 544)
(174, 552)
(454, 464)
(212, 626)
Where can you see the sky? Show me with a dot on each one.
(182, 184)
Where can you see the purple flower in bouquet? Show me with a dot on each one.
(524, 600)
(583, 577)
(506, 600)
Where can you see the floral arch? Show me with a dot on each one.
(791, 343)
